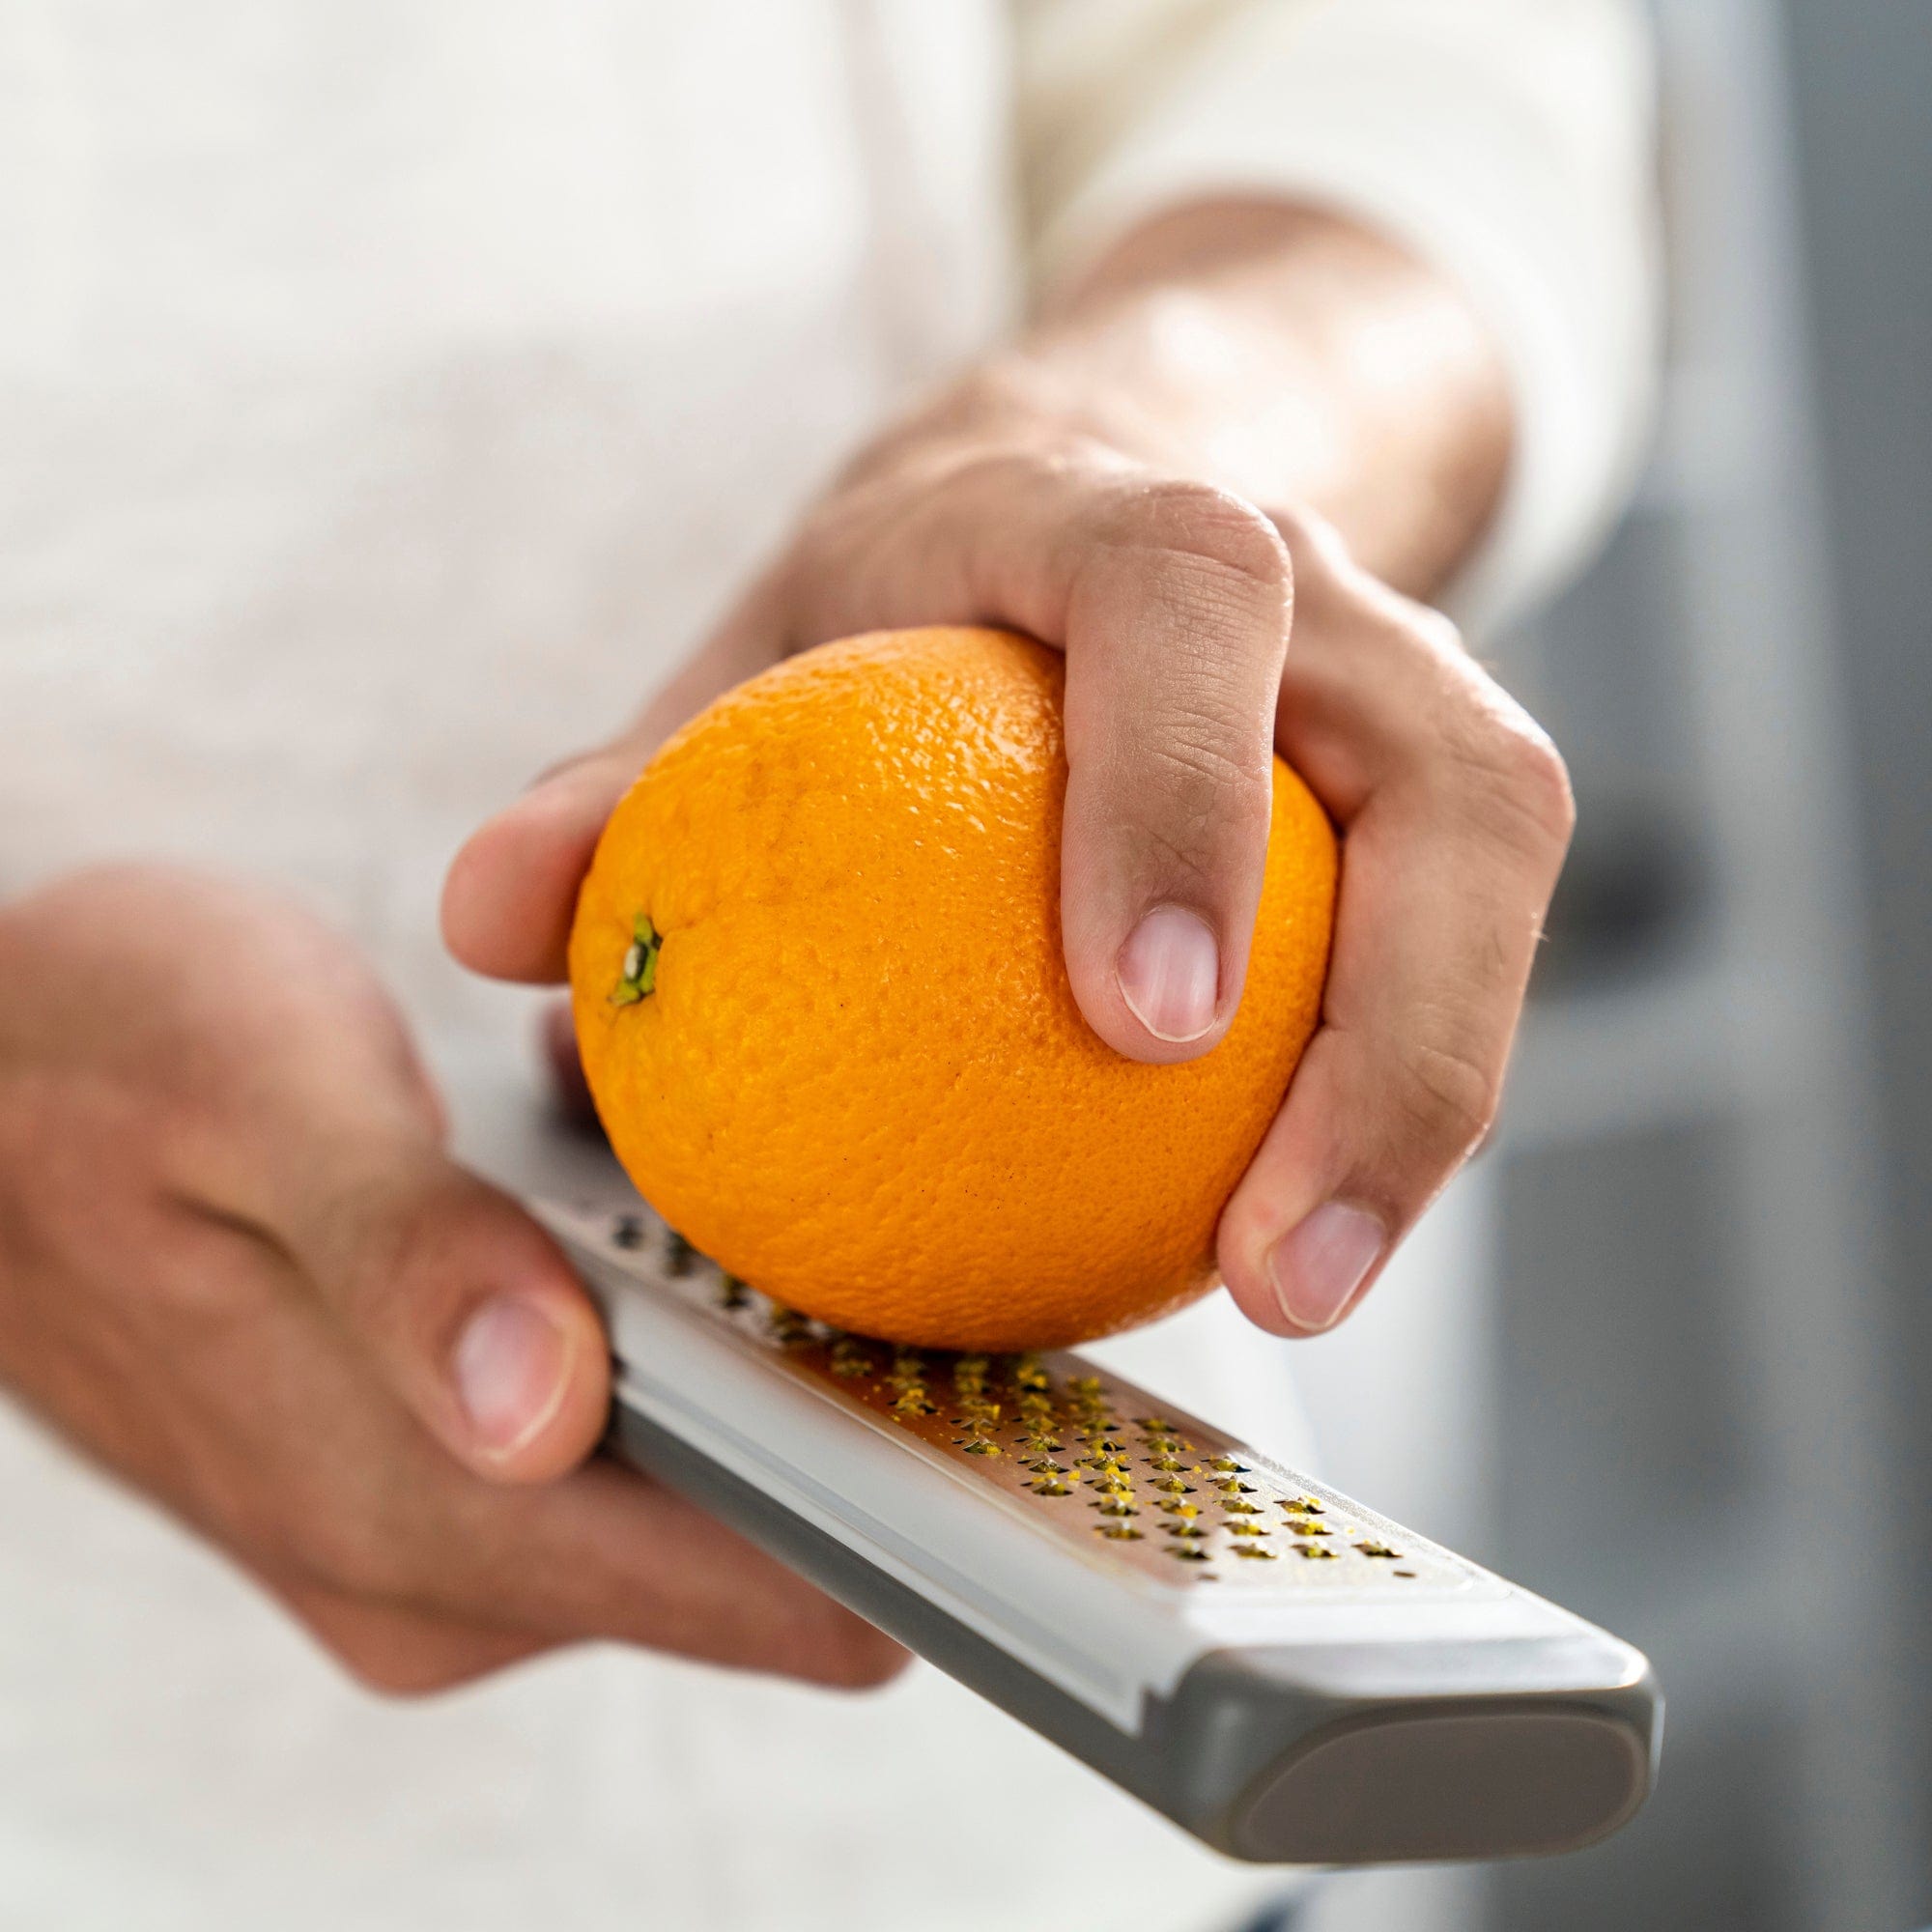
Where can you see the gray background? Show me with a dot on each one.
(1717, 1179)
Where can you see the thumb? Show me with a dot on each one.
(468, 1307)
(301, 1113)
(511, 890)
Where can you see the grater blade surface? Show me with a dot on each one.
(1086, 1457)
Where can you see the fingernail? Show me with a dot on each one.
(1316, 1266)
(510, 1364)
(1171, 974)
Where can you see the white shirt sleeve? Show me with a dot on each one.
(1506, 142)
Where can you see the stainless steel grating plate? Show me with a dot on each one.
(1085, 1457)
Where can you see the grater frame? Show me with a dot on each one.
(1389, 1702)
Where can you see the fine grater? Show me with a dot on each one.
(1289, 1676)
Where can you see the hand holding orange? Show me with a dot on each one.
(818, 989)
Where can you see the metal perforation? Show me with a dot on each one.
(1088, 1456)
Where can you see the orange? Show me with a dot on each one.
(819, 994)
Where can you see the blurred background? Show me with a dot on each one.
(1716, 1182)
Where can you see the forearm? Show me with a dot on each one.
(1283, 353)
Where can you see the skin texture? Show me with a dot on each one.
(236, 1266)
(859, 1079)
(235, 1259)
(1169, 480)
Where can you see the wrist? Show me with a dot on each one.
(1009, 402)
(1099, 396)
(1255, 350)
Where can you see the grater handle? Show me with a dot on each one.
(1329, 1754)
(1435, 1712)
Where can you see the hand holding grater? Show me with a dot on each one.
(1286, 1674)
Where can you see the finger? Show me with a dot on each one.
(309, 1123)
(403, 1652)
(469, 1309)
(569, 1088)
(618, 1557)
(1446, 875)
(604, 1554)
(291, 1106)
(511, 890)
(1176, 628)
(417, 1573)
(1171, 603)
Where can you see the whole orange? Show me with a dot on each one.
(821, 1004)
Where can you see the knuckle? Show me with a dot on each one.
(1223, 535)
(1229, 531)
(1540, 777)
(1526, 792)
(1511, 776)
(1449, 1098)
